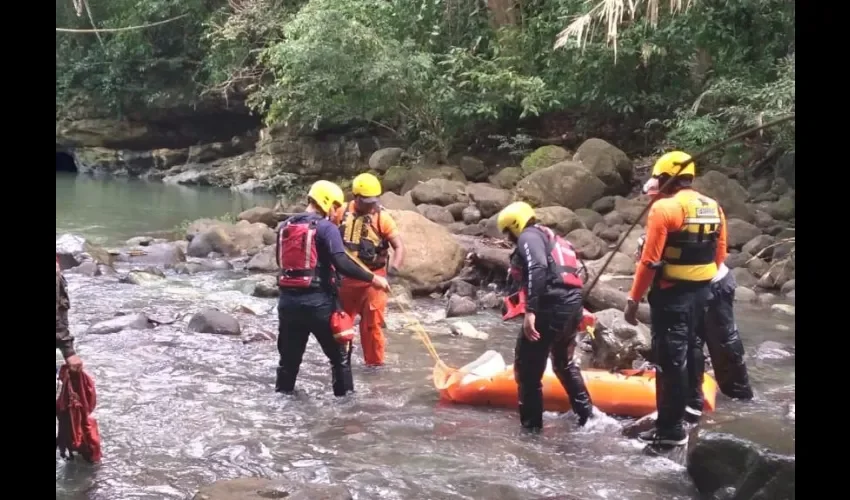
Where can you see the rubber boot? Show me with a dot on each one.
(530, 407)
(342, 379)
(285, 382)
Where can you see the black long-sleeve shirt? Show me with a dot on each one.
(531, 252)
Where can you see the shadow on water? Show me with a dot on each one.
(178, 410)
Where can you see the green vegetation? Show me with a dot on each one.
(440, 72)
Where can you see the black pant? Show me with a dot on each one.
(720, 333)
(680, 364)
(300, 314)
(557, 319)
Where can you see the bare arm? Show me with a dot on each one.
(398, 251)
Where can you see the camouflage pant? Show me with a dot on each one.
(64, 339)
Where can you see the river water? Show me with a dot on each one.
(179, 410)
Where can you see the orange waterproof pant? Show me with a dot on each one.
(370, 303)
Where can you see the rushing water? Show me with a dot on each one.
(179, 410)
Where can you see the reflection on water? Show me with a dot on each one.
(113, 210)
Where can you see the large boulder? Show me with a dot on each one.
(473, 168)
(382, 159)
(739, 233)
(543, 157)
(568, 184)
(506, 178)
(727, 192)
(264, 261)
(588, 246)
(432, 255)
(415, 176)
(262, 215)
(157, 254)
(209, 235)
(214, 321)
(438, 192)
(489, 200)
(436, 213)
(560, 219)
(607, 162)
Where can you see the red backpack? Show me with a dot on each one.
(78, 431)
(297, 254)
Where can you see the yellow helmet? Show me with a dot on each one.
(671, 163)
(325, 194)
(366, 185)
(514, 217)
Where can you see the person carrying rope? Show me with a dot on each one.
(310, 253)
(549, 274)
(368, 232)
(718, 329)
(685, 244)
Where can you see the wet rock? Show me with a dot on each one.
(543, 157)
(400, 296)
(744, 294)
(264, 261)
(256, 488)
(157, 254)
(384, 158)
(489, 300)
(88, 268)
(588, 246)
(739, 232)
(766, 299)
(568, 184)
(617, 344)
(489, 199)
(137, 321)
(266, 288)
(72, 250)
(471, 215)
(772, 350)
(392, 201)
(643, 424)
(462, 288)
(783, 309)
(140, 241)
(261, 336)
(743, 277)
(464, 329)
(776, 275)
(460, 306)
(212, 240)
(439, 192)
(608, 163)
(432, 255)
(788, 287)
(225, 238)
(214, 321)
(727, 192)
(147, 276)
(506, 178)
(202, 266)
(263, 215)
(559, 219)
(741, 468)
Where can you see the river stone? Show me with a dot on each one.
(432, 255)
(617, 344)
(721, 461)
(214, 321)
(72, 250)
(157, 254)
(137, 321)
(143, 277)
(257, 488)
(460, 306)
(464, 329)
(264, 261)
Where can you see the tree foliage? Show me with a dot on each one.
(437, 71)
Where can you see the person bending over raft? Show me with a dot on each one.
(718, 330)
(685, 244)
(553, 311)
(309, 253)
(368, 232)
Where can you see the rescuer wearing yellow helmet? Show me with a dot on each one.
(368, 232)
(310, 252)
(548, 267)
(685, 245)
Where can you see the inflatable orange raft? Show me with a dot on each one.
(488, 381)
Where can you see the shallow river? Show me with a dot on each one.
(180, 410)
